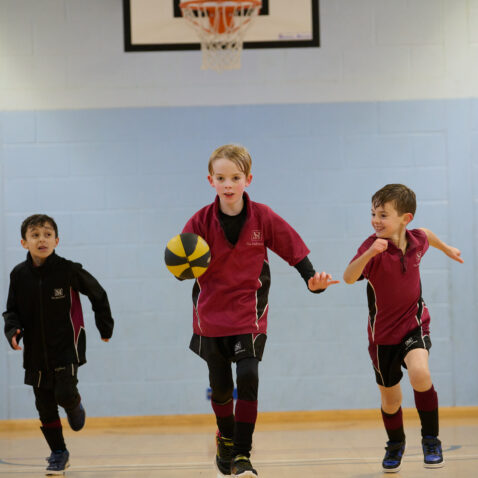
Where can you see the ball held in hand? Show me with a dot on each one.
(187, 255)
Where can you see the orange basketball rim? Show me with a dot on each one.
(221, 26)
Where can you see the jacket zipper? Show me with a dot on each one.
(42, 326)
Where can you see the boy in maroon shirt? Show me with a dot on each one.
(399, 322)
(230, 298)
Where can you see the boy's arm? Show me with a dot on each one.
(316, 282)
(85, 283)
(13, 327)
(355, 268)
(434, 241)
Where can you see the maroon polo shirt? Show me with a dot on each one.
(231, 297)
(394, 290)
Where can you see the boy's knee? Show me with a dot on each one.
(48, 414)
(419, 377)
(248, 379)
(421, 382)
(248, 371)
(67, 398)
(222, 395)
(391, 405)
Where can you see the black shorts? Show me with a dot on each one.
(233, 348)
(48, 380)
(388, 360)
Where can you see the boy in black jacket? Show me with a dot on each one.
(44, 308)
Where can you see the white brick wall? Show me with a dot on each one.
(385, 99)
(68, 54)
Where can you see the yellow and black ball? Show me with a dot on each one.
(187, 255)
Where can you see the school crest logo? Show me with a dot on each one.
(58, 294)
(256, 238)
(418, 258)
(409, 342)
(238, 348)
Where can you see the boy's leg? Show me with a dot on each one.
(391, 398)
(68, 397)
(426, 401)
(50, 419)
(222, 386)
(393, 420)
(247, 371)
(52, 430)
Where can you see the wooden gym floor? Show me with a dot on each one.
(335, 444)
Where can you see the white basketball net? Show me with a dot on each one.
(221, 26)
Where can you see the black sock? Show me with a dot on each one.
(54, 438)
(243, 439)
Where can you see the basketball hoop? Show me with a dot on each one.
(221, 26)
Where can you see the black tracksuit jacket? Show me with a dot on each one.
(43, 302)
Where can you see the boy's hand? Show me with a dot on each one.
(454, 254)
(321, 280)
(378, 246)
(14, 340)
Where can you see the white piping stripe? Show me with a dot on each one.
(378, 365)
(376, 312)
(73, 326)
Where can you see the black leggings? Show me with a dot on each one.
(222, 384)
(62, 392)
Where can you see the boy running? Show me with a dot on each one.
(231, 298)
(399, 322)
(44, 308)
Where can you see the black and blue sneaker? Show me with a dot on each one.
(223, 454)
(393, 456)
(57, 462)
(76, 417)
(432, 452)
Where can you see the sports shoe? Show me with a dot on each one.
(223, 454)
(393, 456)
(76, 417)
(432, 452)
(241, 467)
(57, 462)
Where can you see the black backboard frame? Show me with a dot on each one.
(130, 47)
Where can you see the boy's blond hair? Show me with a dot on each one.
(402, 198)
(235, 153)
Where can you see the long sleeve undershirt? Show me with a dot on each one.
(232, 226)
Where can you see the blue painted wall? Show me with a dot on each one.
(121, 182)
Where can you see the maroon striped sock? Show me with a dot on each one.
(224, 417)
(246, 411)
(55, 424)
(427, 407)
(394, 425)
(246, 416)
(53, 433)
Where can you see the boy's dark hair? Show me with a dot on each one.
(37, 220)
(403, 198)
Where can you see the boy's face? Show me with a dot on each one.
(387, 222)
(40, 242)
(228, 181)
